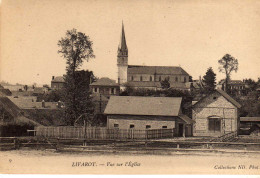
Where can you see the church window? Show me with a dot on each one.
(141, 78)
(151, 78)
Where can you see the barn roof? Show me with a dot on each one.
(229, 98)
(225, 95)
(137, 105)
(160, 70)
(15, 111)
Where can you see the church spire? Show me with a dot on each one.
(122, 46)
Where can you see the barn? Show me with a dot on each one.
(215, 114)
(141, 113)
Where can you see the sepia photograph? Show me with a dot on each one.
(130, 87)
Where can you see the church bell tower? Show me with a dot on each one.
(122, 59)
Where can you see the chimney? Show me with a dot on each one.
(52, 77)
(43, 103)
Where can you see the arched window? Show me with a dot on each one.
(151, 78)
(141, 78)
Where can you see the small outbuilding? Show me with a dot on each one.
(141, 113)
(215, 114)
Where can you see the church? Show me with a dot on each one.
(148, 77)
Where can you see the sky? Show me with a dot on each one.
(191, 34)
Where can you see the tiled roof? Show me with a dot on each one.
(58, 79)
(136, 105)
(29, 102)
(160, 70)
(104, 82)
(250, 119)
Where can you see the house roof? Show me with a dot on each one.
(250, 119)
(225, 95)
(229, 98)
(29, 102)
(98, 97)
(104, 82)
(160, 70)
(10, 107)
(232, 82)
(186, 119)
(15, 111)
(136, 105)
(58, 79)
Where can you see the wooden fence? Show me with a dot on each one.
(102, 133)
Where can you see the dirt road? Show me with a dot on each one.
(92, 162)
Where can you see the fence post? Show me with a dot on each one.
(15, 142)
(58, 143)
(37, 144)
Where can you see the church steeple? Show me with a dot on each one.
(122, 48)
(122, 59)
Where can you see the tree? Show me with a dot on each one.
(76, 47)
(209, 80)
(227, 65)
(165, 83)
(251, 84)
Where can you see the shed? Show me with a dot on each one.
(136, 112)
(215, 114)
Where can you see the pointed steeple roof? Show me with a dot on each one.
(122, 45)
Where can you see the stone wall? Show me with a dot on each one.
(140, 122)
(214, 105)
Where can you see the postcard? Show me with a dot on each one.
(130, 87)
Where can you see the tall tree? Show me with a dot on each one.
(228, 64)
(209, 80)
(75, 47)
